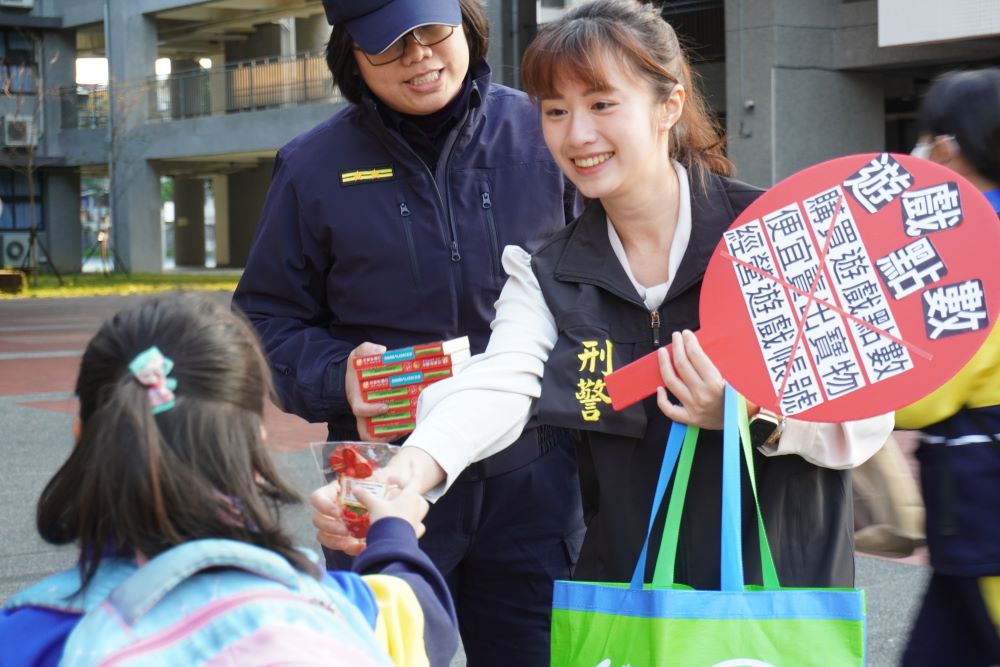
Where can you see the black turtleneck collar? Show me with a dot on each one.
(426, 134)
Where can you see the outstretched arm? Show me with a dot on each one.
(486, 406)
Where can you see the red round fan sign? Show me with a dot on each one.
(853, 287)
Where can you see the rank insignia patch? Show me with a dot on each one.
(366, 175)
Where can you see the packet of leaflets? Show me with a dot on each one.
(352, 464)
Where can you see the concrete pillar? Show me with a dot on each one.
(264, 41)
(135, 185)
(58, 62)
(249, 188)
(61, 206)
(312, 34)
(220, 190)
(787, 107)
(60, 189)
(189, 221)
(217, 85)
(188, 89)
(287, 41)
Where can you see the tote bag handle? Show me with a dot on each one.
(679, 454)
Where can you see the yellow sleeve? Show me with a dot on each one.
(400, 624)
(976, 385)
(989, 587)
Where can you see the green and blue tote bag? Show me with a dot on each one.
(639, 624)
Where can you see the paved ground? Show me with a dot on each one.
(40, 346)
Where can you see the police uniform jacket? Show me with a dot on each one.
(360, 240)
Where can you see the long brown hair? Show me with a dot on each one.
(572, 46)
(139, 482)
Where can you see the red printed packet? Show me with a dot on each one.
(352, 465)
(396, 378)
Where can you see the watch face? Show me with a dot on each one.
(761, 428)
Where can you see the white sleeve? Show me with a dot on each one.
(484, 407)
(839, 446)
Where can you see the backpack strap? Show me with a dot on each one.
(154, 580)
(61, 591)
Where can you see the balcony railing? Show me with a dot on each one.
(85, 107)
(249, 85)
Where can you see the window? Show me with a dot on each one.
(20, 77)
(18, 68)
(17, 47)
(16, 215)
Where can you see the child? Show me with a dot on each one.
(170, 469)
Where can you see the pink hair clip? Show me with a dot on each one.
(152, 369)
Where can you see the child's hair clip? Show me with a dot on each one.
(152, 369)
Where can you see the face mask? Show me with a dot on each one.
(922, 150)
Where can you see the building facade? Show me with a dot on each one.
(794, 81)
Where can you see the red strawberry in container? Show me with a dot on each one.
(350, 462)
(357, 521)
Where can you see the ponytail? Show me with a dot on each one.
(144, 481)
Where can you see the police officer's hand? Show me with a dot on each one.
(331, 530)
(403, 500)
(694, 380)
(356, 400)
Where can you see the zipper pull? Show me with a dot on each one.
(487, 202)
(404, 210)
(654, 323)
(455, 257)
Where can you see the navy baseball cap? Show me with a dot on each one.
(376, 24)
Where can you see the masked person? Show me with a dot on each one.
(959, 424)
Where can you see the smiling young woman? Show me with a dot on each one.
(622, 118)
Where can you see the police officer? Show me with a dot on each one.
(384, 227)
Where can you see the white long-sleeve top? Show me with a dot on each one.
(478, 412)
(484, 408)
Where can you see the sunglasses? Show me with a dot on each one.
(425, 35)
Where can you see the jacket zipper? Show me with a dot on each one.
(654, 323)
(404, 213)
(444, 200)
(491, 228)
(455, 255)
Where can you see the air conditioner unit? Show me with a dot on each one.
(19, 131)
(23, 4)
(13, 249)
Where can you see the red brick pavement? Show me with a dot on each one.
(61, 328)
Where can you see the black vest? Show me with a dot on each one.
(601, 320)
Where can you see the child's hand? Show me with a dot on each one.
(331, 530)
(403, 501)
